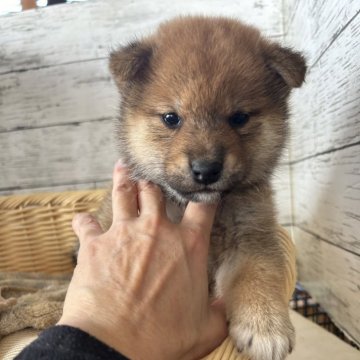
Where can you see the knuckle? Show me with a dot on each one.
(150, 188)
(119, 227)
(83, 224)
(92, 246)
(195, 233)
(152, 223)
(80, 220)
(195, 238)
(92, 224)
(122, 186)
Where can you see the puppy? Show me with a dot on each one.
(203, 114)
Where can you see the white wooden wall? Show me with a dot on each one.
(58, 104)
(325, 155)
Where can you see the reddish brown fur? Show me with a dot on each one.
(205, 70)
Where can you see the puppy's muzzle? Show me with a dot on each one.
(206, 172)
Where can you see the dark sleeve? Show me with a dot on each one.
(68, 343)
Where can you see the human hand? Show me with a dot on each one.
(142, 286)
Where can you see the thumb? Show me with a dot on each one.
(85, 226)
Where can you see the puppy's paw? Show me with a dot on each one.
(263, 335)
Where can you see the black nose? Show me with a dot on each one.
(206, 172)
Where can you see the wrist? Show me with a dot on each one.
(123, 340)
(102, 331)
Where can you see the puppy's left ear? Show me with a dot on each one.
(289, 64)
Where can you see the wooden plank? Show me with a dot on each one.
(58, 155)
(316, 24)
(288, 12)
(332, 276)
(57, 95)
(326, 197)
(327, 109)
(83, 31)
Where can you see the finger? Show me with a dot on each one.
(199, 216)
(85, 226)
(151, 199)
(124, 194)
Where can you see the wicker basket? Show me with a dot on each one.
(35, 230)
(36, 236)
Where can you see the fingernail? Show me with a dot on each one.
(120, 164)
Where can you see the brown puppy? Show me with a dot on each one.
(204, 115)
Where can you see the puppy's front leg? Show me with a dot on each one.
(254, 289)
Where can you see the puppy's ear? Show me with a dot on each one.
(290, 65)
(130, 63)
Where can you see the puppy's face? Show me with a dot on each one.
(204, 106)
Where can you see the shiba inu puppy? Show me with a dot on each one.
(203, 114)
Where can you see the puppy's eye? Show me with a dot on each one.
(171, 120)
(238, 119)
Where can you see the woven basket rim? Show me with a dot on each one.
(14, 201)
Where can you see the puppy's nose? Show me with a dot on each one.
(206, 172)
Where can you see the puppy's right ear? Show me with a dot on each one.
(130, 63)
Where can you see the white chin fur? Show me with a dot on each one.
(203, 197)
